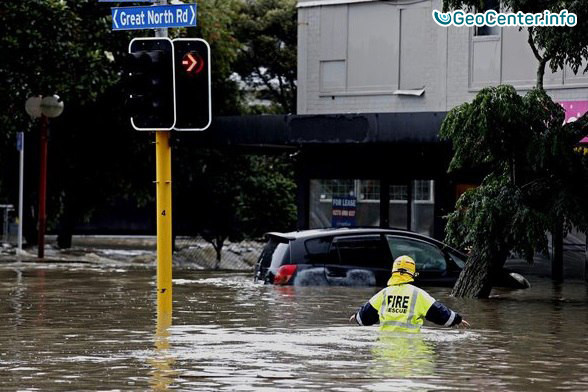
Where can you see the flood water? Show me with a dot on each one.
(81, 327)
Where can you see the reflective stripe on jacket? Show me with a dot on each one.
(402, 307)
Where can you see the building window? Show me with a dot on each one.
(398, 193)
(481, 31)
(419, 215)
(369, 190)
(422, 219)
(322, 192)
(335, 188)
(423, 191)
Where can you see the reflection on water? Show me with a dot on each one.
(401, 355)
(163, 373)
(85, 327)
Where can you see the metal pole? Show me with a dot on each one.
(20, 191)
(164, 217)
(5, 224)
(164, 222)
(43, 186)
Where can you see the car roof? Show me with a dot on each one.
(330, 232)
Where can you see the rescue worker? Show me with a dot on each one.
(402, 307)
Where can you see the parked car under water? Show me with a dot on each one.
(361, 257)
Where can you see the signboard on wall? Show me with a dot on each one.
(344, 209)
(575, 110)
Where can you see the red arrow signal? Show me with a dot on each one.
(192, 63)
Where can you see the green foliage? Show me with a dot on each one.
(217, 25)
(267, 61)
(96, 159)
(487, 131)
(267, 202)
(229, 196)
(534, 176)
(52, 47)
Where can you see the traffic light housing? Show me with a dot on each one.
(150, 82)
(193, 93)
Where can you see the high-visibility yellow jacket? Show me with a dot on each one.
(404, 308)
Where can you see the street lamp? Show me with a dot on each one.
(45, 108)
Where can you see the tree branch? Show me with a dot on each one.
(269, 86)
(532, 45)
(542, 59)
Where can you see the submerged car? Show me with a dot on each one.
(361, 257)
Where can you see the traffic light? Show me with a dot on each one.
(149, 78)
(192, 63)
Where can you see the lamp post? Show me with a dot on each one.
(51, 107)
(33, 109)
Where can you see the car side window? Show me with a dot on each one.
(365, 251)
(317, 250)
(427, 257)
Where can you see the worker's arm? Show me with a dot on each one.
(366, 315)
(442, 315)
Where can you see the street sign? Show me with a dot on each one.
(154, 17)
(19, 141)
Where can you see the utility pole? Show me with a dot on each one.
(43, 141)
(164, 218)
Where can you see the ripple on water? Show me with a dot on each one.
(93, 328)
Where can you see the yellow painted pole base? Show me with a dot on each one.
(164, 223)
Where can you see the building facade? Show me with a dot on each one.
(382, 57)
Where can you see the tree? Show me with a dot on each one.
(63, 47)
(267, 202)
(556, 47)
(231, 195)
(217, 25)
(95, 157)
(534, 179)
(267, 60)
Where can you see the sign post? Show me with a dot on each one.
(160, 17)
(20, 149)
(51, 106)
(164, 218)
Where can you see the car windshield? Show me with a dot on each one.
(459, 260)
(427, 257)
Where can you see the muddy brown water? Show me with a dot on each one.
(81, 327)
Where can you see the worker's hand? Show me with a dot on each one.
(352, 319)
(464, 324)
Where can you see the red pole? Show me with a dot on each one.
(43, 186)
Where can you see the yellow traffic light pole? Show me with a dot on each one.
(163, 180)
(163, 365)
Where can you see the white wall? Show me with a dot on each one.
(355, 56)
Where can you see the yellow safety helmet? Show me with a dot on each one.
(403, 270)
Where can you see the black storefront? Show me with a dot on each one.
(392, 164)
